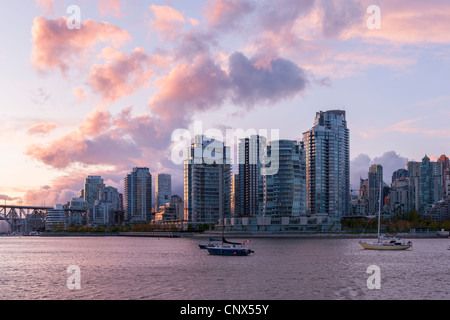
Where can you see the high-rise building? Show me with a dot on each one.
(375, 182)
(235, 195)
(285, 191)
(250, 177)
(103, 213)
(112, 195)
(430, 184)
(401, 196)
(327, 146)
(207, 181)
(92, 187)
(427, 178)
(163, 190)
(138, 196)
(414, 179)
(400, 173)
(445, 176)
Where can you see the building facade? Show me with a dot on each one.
(250, 178)
(207, 181)
(374, 183)
(138, 196)
(327, 146)
(401, 196)
(285, 191)
(92, 187)
(163, 190)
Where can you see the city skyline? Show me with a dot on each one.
(106, 98)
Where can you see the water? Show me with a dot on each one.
(176, 269)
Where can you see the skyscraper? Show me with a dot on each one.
(250, 177)
(163, 190)
(327, 146)
(235, 195)
(430, 184)
(285, 191)
(92, 187)
(427, 178)
(445, 175)
(207, 181)
(91, 193)
(375, 182)
(138, 196)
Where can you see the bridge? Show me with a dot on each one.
(24, 219)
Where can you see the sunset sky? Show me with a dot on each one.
(106, 98)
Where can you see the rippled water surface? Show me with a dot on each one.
(176, 269)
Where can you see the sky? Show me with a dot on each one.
(104, 98)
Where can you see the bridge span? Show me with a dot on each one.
(25, 219)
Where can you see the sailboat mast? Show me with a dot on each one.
(379, 212)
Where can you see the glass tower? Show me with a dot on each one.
(327, 146)
(207, 181)
(285, 191)
(138, 196)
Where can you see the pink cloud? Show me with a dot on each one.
(226, 14)
(190, 87)
(55, 47)
(167, 21)
(79, 93)
(407, 22)
(41, 128)
(122, 74)
(103, 140)
(111, 7)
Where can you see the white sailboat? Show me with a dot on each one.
(385, 243)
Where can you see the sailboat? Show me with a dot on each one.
(212, 241)
(227, 248)
(385, 243)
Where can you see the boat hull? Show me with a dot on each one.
(384, 246)
(218, 251)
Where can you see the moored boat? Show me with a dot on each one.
(384, 243)
(229, 249)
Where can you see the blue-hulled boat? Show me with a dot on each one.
(209, 244)
(229, 249)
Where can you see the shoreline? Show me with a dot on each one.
(254, 235)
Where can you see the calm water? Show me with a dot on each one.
(176, 269)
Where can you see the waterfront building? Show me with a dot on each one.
(56, 218)
(427, 178)
(285, 191)
(112, 195)
(92, 187)
(439, 211)
(163, 190)
(77, 208)
(172, 211)
(445, 176)
(327, 146)
(250, 183)
(414, 178)
(138, 196)
(401, 196)
(374, 183)
(235, 195)
(103, 213)
(207, 181)
(430, 184)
